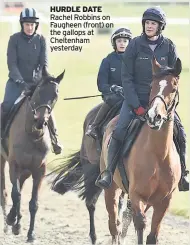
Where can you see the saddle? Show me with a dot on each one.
(114, 111)
(9, 118)
(132, 132)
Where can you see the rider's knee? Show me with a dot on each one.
(119, 134)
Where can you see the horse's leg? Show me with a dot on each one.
(91, 209)
(158, 214)
(15, 194)
(16, 227)
(112, 199)
(139, 218)
(3, 194)
(121, 204)
(37, 175)
(127, 218)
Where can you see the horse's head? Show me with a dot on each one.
(44, 99)
(164, 90)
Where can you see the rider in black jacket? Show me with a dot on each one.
(26, 57)
(136, 80)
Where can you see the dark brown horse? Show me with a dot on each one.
(153, 165)
(74, 170)
(28, 144)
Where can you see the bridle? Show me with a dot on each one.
(34, 110)
(169, 108)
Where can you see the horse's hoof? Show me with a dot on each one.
(16, 229)
(10, 220)
(5, 229)
(93, 238)
(31, 238)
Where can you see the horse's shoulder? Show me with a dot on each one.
(111, 125)
(94, 110)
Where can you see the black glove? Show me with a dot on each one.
(116, 89)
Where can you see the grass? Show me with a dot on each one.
(131, 9)
(80, 79)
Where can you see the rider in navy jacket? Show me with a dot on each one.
(109, 77)
(136, 80)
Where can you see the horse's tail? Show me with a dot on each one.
(87, 189)
(69, 174)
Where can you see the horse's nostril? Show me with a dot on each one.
(158, 117)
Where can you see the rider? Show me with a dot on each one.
(136, 80)
(26, 57)
(109, 77)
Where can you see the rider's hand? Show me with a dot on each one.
(140, 111)
(116, 89)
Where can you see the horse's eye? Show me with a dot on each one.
(174, 90)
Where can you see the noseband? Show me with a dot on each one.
(169, 107)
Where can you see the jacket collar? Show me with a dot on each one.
(29, 38)
(144, 40)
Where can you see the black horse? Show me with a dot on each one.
(28, 144)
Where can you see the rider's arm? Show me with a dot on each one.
(127, 75)
(103, 77)
(172, 57)
(14, 72)
(43, 54)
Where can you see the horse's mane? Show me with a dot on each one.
(47, 79)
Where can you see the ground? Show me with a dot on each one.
(63, 220)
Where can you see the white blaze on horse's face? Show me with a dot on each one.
(153, 112)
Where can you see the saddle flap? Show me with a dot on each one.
(132, 132)
(9, 118)
(22, 96)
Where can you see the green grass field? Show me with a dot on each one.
(131, 9)
(80, 80)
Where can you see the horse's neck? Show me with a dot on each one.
(162, 140)
(29, 120)
(28, 117)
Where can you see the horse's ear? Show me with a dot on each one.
(177, 67)
(155, 66)
(60, 77)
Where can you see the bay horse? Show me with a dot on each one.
(153, 164)
(28, 144)
(72, 174)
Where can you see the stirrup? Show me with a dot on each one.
(100, 178)
(90, 132)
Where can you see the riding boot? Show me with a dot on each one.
(92, 129)
(184, 182)
(106, 177)
(57, 147)
(3, 120)
(180, 136)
